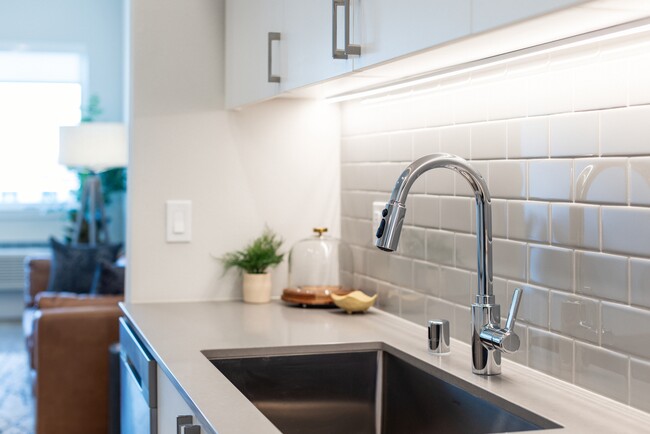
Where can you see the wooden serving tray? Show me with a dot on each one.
(313, 295)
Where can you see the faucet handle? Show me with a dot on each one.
(514, 308)
(505, 339)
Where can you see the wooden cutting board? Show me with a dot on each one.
(313, 295)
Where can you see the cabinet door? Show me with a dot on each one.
(248, 24)
(307, 43)
(171, 405)
(489, 14)
(390, 29)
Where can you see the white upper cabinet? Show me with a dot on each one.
(252, 50)
(307, 42)
(325, 39)
(389, 29)
(489, 14)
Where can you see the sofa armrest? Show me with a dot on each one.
(37, 276)
(71, 359)
(49, 300)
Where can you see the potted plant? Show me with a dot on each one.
(254, 261)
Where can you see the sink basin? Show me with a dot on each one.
(376, 389)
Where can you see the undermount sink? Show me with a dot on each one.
(372, 389)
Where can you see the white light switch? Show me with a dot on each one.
(179, 221)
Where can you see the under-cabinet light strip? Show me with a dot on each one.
(598, 36)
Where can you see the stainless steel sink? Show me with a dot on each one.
(375, 389)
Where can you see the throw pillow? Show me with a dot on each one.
(108, 279)
(73, 266)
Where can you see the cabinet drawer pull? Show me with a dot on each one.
(273, 36)
(182, 421)
(348, 49)
(191, 429)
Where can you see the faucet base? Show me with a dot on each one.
(485, 361)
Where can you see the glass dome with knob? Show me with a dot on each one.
(318, 267)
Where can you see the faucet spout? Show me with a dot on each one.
(489, 340)
(393, 216)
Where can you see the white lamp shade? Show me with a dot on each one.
(96, 146)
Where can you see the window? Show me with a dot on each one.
(39, 92)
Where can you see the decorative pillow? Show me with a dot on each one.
(108, 279)
(73, 266)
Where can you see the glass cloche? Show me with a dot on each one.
(318, 267)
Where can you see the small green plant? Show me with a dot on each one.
(258, 256)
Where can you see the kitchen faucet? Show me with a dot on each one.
(488, 338)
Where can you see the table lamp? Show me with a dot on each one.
(94, 147)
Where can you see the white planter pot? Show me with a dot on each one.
(257, 288)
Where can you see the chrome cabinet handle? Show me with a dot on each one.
(273, 36)
(185, 425)
(349, 49)
(182, 421)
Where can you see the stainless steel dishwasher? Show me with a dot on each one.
(138, 385)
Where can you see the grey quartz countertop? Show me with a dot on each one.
(177, 333)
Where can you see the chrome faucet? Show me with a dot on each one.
(488, 338)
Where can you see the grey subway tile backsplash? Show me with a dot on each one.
(626, 230)
(455, 285)
(509, 180)
(440, 247)
(575, 225)
(456, 214)
(400, 271)
(551, 267)
(626, 329)
(639, 181)
(635, 121)
(426, 142)
(412, 243)
(528, 221)
(574, 134)
(489, 140)
(602, 371)
(567, 163)
(574, 316)
(426, 278)
(550, 180)
(528, 138)
(425, 211)
(388, 298)
(602, 180)
(413, 306)
(465, 251)
(456, 140)
(640, 384)
(550, 353)
(640, 282)
(509, 259)
(600, 275)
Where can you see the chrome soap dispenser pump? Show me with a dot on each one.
(488, 338)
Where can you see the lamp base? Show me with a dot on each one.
(91, 202)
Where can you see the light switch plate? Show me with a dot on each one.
(377, 208)
(179, 221)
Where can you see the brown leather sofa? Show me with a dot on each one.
(68, 336)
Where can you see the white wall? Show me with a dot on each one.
(276, 163)
(93, 27)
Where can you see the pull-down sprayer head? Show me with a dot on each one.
(393, 215)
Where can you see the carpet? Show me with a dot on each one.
(16, 402)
